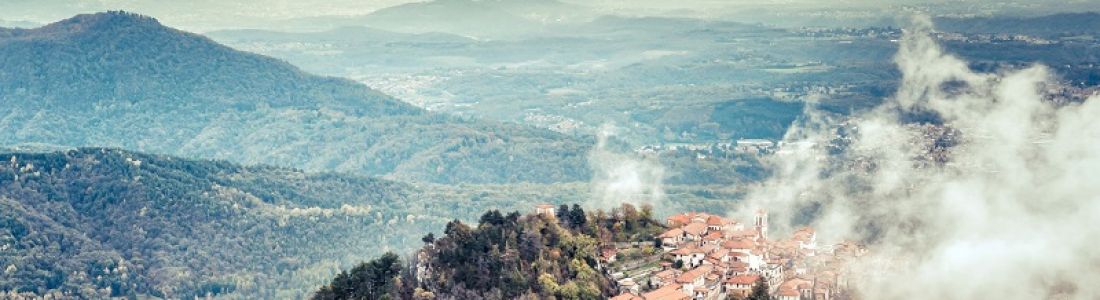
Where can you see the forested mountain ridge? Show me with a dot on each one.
(122, 80)
(133, 58)
(94, 223)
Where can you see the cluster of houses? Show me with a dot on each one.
(712, 257)
(705, 150)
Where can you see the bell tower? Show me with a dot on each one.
(762, 224)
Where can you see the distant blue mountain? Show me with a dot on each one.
(483, 19)
(123, 80)
(18, 24)
(1056, 24)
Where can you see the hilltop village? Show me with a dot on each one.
(705, 256)
(626, 253)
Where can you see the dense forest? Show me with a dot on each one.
(505, 256)
(118, 79)
(98, 222)
(94, 223)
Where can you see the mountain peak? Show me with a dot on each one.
(102, 21)
(113, 18)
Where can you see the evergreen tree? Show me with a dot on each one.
(371, 281)
(577, 218)
(492, 218)
(760, 291)
(631, 218)
(563, 214)
(647, 212)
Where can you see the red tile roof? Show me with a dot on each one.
(685, 251)
(609, 252)
(717, 254)
(743, 279)
(672, 233)
(747, 232)
(690, 276)
(627, 296)
(695, 229)
(708, 248)
(803, 234)
(788, 293)
(713, 236)
(680, 218)
(668, 292)
(796, 283)
(738, 244)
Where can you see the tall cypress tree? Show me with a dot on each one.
(563, 213)
(577, 216)
(760, 291)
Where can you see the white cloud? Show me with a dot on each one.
(1012, 215)
(623, 178)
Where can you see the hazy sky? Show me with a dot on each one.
(205, 15)
(192, 14)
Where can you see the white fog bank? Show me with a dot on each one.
(1011, 211)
